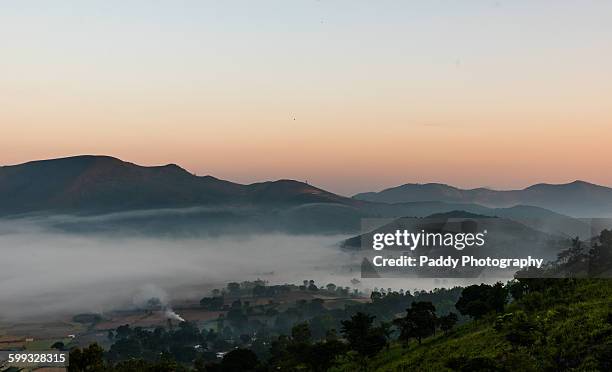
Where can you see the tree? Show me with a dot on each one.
(521, 330)
(447, 322)
(420, 321)
(212, 303)
(322, 354)
(498, 296)
(123, 331)
(300, 333)
(90, 359)
(237, 318)
(600, 255)
(165, 364)
(517, 289)
(239, 360)
(386, 329)
(573, 255)
(478, 300)
(199, 365)
(362, 336)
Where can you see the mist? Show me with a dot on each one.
(48, 272)
(44, 272)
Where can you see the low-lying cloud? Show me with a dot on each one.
(44, 272)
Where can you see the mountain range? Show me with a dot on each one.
(101, 185)
(105, 184)
(578, 198)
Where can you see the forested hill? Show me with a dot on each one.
(557, 325)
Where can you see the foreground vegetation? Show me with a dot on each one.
(565, 326)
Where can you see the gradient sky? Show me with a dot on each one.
(349, 95)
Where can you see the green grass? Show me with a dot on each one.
(574, 328)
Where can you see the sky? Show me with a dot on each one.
(351, 96)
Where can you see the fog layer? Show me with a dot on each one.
(44, 273)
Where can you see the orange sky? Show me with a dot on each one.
(484, 95)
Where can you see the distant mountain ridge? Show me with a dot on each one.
(578, 198)
(91, 185)
(103, 183)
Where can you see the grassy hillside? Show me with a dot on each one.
(565, 326)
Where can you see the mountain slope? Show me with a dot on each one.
(102, 183)
(571, 330)
(578, 198)
(505, 237)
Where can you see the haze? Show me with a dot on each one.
(45, 273)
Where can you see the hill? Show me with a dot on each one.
(504, 238)
(578, 198)
(564, 325)
(97, 184)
